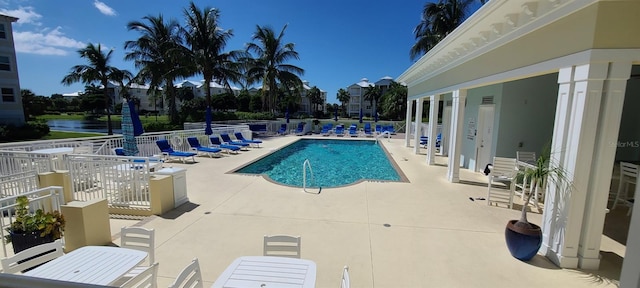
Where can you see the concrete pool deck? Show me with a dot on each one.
(426, 233)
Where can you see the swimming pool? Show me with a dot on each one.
(334, 163)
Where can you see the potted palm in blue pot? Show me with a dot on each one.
(523, 237)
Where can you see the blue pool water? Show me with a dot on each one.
(334, 163)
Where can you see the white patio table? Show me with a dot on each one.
(57, 155)
(99, 265)
(268, 271)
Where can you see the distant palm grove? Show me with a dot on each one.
(168, 51)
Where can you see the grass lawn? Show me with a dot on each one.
(63, 135)
(60, 117)
(115, 117)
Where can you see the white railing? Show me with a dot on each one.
(46, 144)
(13, 162)
(48, 199)
(147, 142)
(123, 181)
(306, 164)
(19, 183)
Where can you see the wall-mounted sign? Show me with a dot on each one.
(471, 129)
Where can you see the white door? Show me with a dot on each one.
(484, 136)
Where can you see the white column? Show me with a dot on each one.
(434, 101)
(455, 136)
(602, 164)
(577, 113)
(417, 130)
(630, 275)
(407, 133)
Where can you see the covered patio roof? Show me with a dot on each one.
(513, 39)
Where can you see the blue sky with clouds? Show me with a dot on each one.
(339, 42)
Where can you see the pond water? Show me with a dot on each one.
(94, 126)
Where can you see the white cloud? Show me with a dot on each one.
(104, 9)
(52, 42)
(25, 15)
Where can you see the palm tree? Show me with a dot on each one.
(315, 97)
(98, 70)
(344, 97)
(207, 41)
(373, 94)
(438, 20)
(394, 101)
(121, 77)
(270, 67)
(158, 54)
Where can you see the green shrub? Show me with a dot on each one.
(160, 126)
(32, 130)
(254, 116)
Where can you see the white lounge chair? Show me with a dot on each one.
(146, 279)
(282, 246)
(142, 239)
(190, 276)
(504, 170)
(346, 281)
(628, 175)
(36, 255)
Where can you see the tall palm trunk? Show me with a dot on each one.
(106, 104)
(173, 111)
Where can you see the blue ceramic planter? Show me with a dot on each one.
(523, 243)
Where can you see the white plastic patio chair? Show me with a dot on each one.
(138, 238)
(628, 175)
(190, 276)
(148, 278)
(346, 282)
(37, 255)
(282, 246)
(504, 170)
(527, 157)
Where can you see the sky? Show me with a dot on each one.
(339, 42)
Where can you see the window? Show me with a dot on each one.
(3, 32)
(7, 95)
(4, 63)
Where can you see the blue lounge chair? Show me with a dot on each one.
(254, 142)
(367, 130)
(378, 129)
(339, 130)
(390, 129)
(168, 152)
(227, 140)
(283, 129)
(153, 161)
(196, 147)
(215, 141)
(353, 130)
(326, 129)
(424, 140)
(300, 129)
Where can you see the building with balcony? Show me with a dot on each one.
(357, 92)
(11, 111)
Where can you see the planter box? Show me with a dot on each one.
(24, 241)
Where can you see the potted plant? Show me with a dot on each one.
(524, 238)
(32, 229)
(316, 124)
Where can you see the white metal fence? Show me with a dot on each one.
(12, 162)
(123, 181)
(16, 184)
(48, 199)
